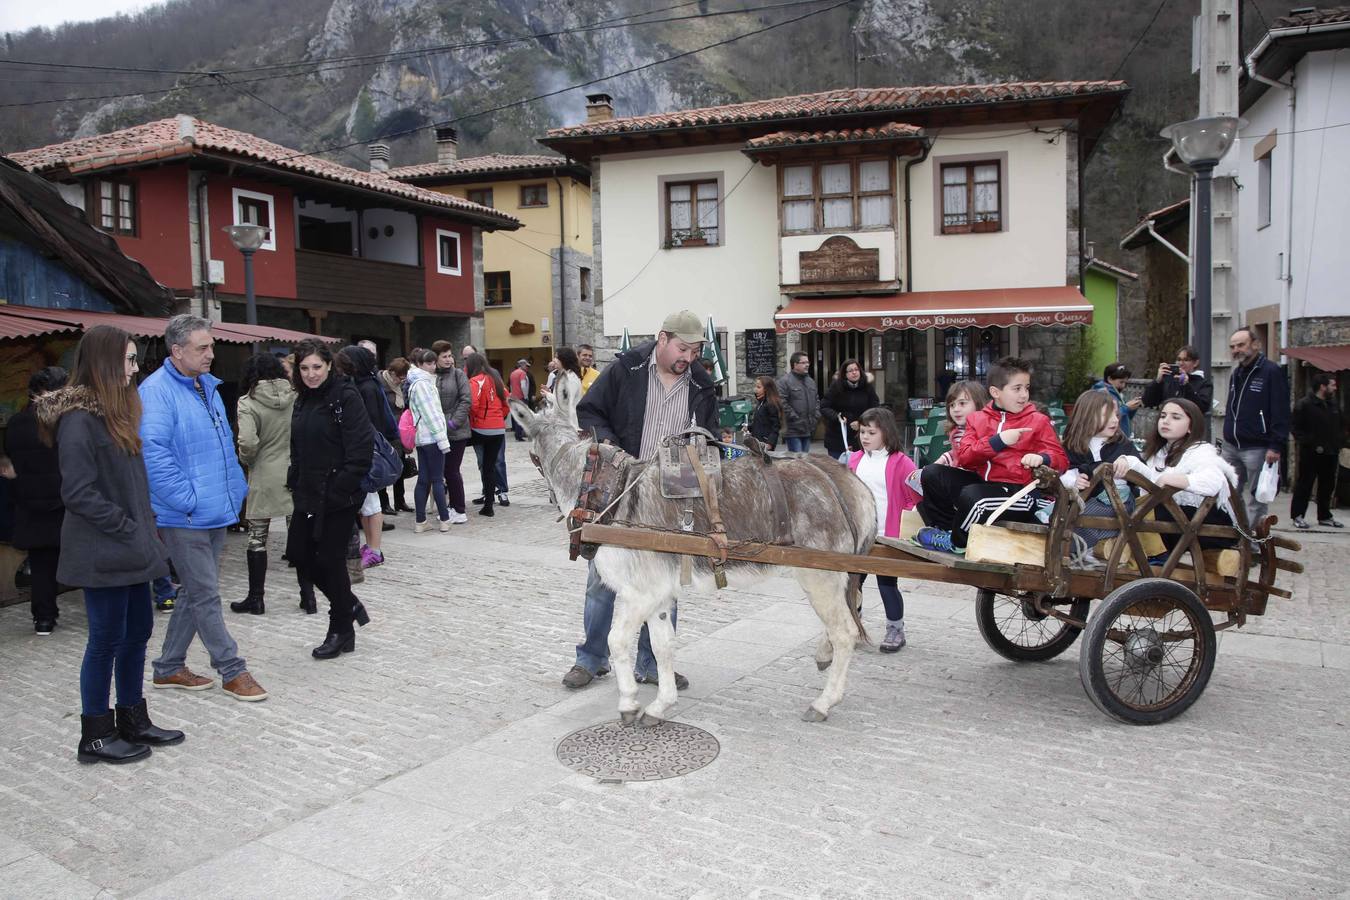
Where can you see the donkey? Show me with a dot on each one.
(829, 509)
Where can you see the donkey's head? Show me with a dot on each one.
(559, 448)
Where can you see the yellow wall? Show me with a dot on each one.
(525, 253)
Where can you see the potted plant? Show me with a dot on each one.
(694, 237)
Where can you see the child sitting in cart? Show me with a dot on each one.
(1177, 455)
(942, 481)
(884, 468)
(1093, 437)
(1003, 444)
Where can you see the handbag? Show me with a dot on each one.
(1268, 484)
(409, 467)
(386, 466)
(407, 431)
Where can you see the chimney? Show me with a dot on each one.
(187, 129)
(1091, 249)
(599, 108)
(379, 157)
(447, 145)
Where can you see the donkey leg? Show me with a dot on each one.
(824, 653)
(623, 629)
(827, 591)
(662, 635)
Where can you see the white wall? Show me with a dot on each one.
(1031, 251)
(401, 247)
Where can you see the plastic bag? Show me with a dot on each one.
(1268, 485)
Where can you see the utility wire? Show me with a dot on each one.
(285, 115)
(1139, 40)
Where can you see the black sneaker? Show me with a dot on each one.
(680, 681)
(479, 500)
(1321, 523)
(43, 627)
(502, 500)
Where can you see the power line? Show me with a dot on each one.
(1139, 40)
(285, 115)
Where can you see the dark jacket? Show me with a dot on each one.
(368, 385)
(331, 445)
(453, 387)
(766, 423)
(851, 401)
(1258, 406)
(108, 535)
(1198, 389)
(616, 404)
(801, 403)
(37, 487)
(1316, 424)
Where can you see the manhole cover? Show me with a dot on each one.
(614, 752)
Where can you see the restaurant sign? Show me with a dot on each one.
(839, 259)
(788, 324)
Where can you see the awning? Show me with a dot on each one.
(1328, 359)
(999, 307)
(30, 321)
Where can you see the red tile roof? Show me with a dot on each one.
(848, 100)
(490, 164)
(1112, 268)
(183, 136)
(891, 131)
(1331, 15)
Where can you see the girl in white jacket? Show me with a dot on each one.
(1177, 455)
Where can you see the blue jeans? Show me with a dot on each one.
(430, 480)
(163, 588)
(502, 486)
(593, 652)
(197, 612)
(1248, 461)
(120, 622)
(798, 444)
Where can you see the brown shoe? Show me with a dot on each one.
(243, 687)
(184, 679)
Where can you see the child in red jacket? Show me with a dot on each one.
(1003, 444)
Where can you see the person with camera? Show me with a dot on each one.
(1181, 379)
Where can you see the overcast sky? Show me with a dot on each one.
(18, 15)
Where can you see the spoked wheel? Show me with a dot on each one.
(1015, 629)
(1148, 652)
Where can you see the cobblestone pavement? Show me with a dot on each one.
(422, 765)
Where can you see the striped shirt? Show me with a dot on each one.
(667, 410)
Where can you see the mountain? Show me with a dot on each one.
(327, 75)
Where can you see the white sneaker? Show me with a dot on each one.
(458, 518)
(421, 527)
(445, 525)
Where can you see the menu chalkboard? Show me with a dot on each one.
(761, 352)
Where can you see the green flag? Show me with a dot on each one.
(713, 353)
(626, 344)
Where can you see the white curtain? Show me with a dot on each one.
(874, 175)
(707, 210)
(797, 215)
(876, 211)
(797, 181)
(836, 178)
(680, 208)
(986, 193)
(838, 213)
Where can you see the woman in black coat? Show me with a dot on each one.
(331, 445)
(358, 364)
(849, 396)
(38, 510)
(766, 422)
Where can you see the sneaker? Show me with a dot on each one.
(681, 683)
(894, 639)
(184, 679)
(1329, 523)
(503, 500)
(166, 605)
(244, 687)
(371, 558)
(478, 500)
(422, 527)
(1302, 523)
(577, 677)
(43, 627)
(386, 526)
(457, 518)
(444, 525)
(931, 538)
(485, 510)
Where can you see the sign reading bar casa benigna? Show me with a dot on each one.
(997, 308)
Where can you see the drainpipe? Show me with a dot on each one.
(203, 255)
(562, 274)
(1287, 276)
(909, 238)
(1166, 243)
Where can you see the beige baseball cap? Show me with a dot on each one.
(685, 326)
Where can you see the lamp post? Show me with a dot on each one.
(247, 239)
(1201, 143)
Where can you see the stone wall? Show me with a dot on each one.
(1319, 331)
(1045, 346)
(575, 319)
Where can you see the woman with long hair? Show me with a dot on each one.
(849, 395)
(766, 422)
(432, 441)
(111, 547)
(487, 418)
(358, 364)
(266, 402)
(331, 445)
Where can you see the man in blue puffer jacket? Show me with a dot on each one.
(196, 488)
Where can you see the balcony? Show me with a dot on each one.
(364, 284)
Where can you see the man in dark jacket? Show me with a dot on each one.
(1256, 421)
(647, 394)
(1320, 432)
(801, 403)
(1181, 379)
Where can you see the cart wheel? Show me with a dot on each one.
(1148, 652)
(1014, 629)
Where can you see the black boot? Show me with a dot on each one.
(335, 644)
(359, 612)
(257, 579)
(134, 725)
(307, 602)
(100, 742)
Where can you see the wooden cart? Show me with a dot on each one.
(1150, 640)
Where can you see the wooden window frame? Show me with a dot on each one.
(94, 206)
(971, 160)
(484, 194)
(818, 195)
(458, 268)
(692, 182)
(488, 303)
(238, 194)
(543, 185)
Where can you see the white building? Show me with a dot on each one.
(1292, 228)
(923, 231)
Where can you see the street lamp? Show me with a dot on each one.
(247, 239)
(1201, 143)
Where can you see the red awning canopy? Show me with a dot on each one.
(998, 307)
(1328, 359)
(29, 321)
